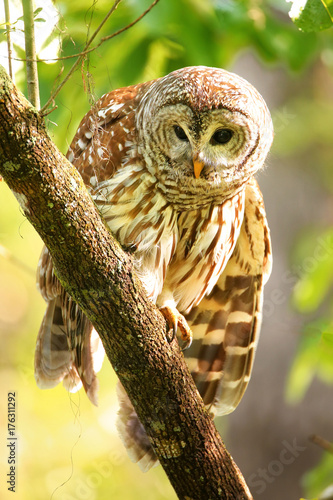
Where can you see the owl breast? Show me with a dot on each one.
(178, 254)
(206, 239)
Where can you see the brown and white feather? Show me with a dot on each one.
(170, 165)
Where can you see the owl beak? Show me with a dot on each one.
(198, 165)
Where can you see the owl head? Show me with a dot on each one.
(203, 131)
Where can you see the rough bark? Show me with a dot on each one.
(99, 275)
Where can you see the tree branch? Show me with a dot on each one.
(30, 53)
(99, 275)
(87, 50)
(323, 443)
(8, 36)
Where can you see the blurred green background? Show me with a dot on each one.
(68, 449)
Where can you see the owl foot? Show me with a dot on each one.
(176, 320)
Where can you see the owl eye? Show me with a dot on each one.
(180, 133)
(222, 136)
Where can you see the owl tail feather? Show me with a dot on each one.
(133, 434)
(53, 360)
(56, 361)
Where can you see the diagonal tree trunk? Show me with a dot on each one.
(99, 275)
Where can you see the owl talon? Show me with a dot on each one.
(176, 320)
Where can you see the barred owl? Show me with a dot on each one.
(170, 165)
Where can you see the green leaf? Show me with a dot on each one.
(305, 364)
(314, 256)
(329, 7)
(300, 377)
(37, 11)
(313, 359)
(319, 478)
(327, 338)
(312, 15)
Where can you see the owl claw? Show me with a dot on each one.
(176, 320)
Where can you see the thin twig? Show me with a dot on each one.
(111, 11)
(104, 39)
(9, 42)
(30, 52)
(81, 56)
(87, 50)
(323, 443)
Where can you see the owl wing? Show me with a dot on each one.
(106, 135)
(68, 348)
(226, 323)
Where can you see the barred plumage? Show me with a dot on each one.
(170, 165)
